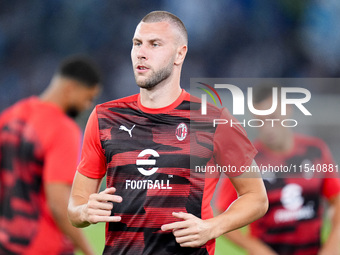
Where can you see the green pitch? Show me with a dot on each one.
(96, 235)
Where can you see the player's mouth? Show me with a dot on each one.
(141, 69)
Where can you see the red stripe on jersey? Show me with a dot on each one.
(105, 133)
(181, 190)
(161, 216)
(124, 158)
(125, 238)
(8, 179)
(153, 218)
(22, 206)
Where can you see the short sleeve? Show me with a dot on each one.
(331, 184)
(62, 152)
(331, 187)
(93, 160)
(232, 148)
(226, 195)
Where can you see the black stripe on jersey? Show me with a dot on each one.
(113, 147)
(127, 111)
(204, 126)
(154, 118)
(9, 213)
(289, 249)
(5, 251)
(135, 203)
(282, 230)
(18, 191)
(22, 241)
(166, 119)
(277, 185)
(206, 145)
(193, 204)
(23, 151)
(187, 105)
(311, 153)
(171, 248)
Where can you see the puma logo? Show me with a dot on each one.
(122, 127)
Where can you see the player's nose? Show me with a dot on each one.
(141, 52)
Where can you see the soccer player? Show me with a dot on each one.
(154, 202)
(39, 152)
(293, 222)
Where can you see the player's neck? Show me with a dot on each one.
(54, 95)
(160, 96)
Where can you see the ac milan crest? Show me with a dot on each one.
(181, 131)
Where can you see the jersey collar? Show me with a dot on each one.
(165, 109)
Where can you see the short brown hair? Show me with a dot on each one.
(159, 16)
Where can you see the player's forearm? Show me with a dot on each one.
(249, 243)
(82, 189)
(76, 208)
(76, 235)
(333, 240)
(57, 199)
(246, 209)
(239, 238)
(81, 243)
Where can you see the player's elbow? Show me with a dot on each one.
(261, 198)
(263, 204)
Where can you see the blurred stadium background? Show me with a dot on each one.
(227, 38)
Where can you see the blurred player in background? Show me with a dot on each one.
(293, 222)
(39, 152)
(153, 203)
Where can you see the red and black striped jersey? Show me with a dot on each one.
(293, 222)
(151, 156)
(39, 144)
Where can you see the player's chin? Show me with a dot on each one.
(141, 81)
(145, 85)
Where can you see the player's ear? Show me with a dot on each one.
(181, 53)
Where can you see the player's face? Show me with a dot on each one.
(272, 134)
(153, 53)
(81, 98)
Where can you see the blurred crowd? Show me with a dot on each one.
(227, 38)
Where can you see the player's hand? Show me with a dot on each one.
(99, 206)
(191, 231)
